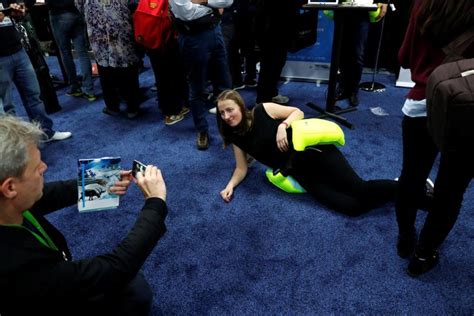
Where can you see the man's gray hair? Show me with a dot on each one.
(15, 137)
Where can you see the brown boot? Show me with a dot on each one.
(202, 141)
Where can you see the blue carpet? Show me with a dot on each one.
(267, 252)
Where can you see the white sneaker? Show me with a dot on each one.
(59, 136)
(213, 110)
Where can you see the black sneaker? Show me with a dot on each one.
(74, 92)
(419, 265)
(238, 86)
(250, 83)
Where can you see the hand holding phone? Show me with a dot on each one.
(137, 167)
(152, 185)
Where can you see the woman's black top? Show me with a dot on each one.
(260, 140)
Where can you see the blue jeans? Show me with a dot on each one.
(201, 52)
(67, 27)
(17, 68)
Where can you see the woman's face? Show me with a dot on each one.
(229, 112)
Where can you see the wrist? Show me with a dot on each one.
(285, 124)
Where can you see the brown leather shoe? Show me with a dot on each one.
(202, 141)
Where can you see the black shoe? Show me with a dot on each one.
(202, 141)
(238, 86)
(354, 99)
(250, 83)
(281, 99)
(419, 265)
(74, 92)
(110, 112)
(406, 245)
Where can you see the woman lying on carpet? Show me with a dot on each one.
(265, 134)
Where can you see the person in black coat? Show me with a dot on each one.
(37, 274)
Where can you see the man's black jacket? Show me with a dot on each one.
(37, 279)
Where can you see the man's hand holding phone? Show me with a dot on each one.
(149, 180)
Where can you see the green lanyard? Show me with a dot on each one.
(45, 239)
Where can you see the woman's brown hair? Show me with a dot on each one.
(244, 125)
(441, 21)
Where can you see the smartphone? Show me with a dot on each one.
(137, 166)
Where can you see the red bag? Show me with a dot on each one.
(152, 23)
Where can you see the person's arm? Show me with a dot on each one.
(188, 10)
(217, 4)
(18, 11)
(383, 11)
(238, 175)
(405, 49)
(56, 195)
(286, 113)
(60, 194)
(83, 280)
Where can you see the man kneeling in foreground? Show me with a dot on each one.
(37, 275)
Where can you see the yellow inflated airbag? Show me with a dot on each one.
(310, 132)
(287, 184)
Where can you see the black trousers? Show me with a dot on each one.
(170, 77)
(356, 31)
(329, 178)
(135, 299)
(454, 175)
(275, 25)
(119, 82)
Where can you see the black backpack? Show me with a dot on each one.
(450, 97)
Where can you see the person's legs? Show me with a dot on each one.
(62, 26)
(419, 153)
(233, 55)
(169, 76)
(196, 54)
(109, 90)
(128, 86)
(6, 78)
(245, 32)
(454, 175)
(328, 176)
(135, 299)
(352, 54)
(27, 85)
(278, 21)
(361, 35)
(78, 34)
(219, 63)
(273, 57)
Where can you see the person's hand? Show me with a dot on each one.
(282, 138)
(151, 183)
(120, 187)
(383, 11)
(226, 194)
(19, 10)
